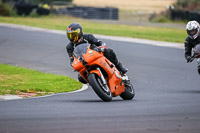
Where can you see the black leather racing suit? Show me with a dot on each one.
(108, 53)
(189, 44)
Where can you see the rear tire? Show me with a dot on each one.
(97, 85)
(129, 92)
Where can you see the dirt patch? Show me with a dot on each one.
(26, 95)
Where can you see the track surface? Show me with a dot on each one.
(167, 90)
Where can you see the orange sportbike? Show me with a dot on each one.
(101, 74)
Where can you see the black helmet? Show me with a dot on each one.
(74, 32)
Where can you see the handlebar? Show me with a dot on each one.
(193, 57)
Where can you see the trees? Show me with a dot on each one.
(188, 5)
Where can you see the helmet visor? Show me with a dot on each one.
(73, 35)
(192, 33)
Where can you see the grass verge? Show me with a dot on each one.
(17, 80)
(61, 23)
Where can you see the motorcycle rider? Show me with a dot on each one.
(76, 37)
(193, 39)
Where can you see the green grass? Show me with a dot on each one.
(16, 80)
(61, 23)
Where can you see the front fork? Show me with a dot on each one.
(102, 77)
(105, 85)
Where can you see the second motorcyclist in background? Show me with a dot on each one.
(193, 39)
(76, 37)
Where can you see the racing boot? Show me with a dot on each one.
(121, 68)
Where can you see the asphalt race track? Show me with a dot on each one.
(167, 90)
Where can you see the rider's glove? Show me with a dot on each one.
(98, 49)
(189, 59)
(71, 61)
(101, 49)
(102, 44)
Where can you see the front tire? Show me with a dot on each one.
(198, 69)
(101, 90)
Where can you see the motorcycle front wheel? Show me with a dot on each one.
(101, 90)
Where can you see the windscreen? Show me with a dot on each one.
(80, 49)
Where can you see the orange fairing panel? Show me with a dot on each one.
(92, 55)
(115, 85)
(77, 65)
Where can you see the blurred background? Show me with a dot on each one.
(124, 11)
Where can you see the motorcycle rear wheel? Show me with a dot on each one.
(129, 92)
(97, 85)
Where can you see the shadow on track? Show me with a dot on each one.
(191, 91)
(196, 91)
(95, 101)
